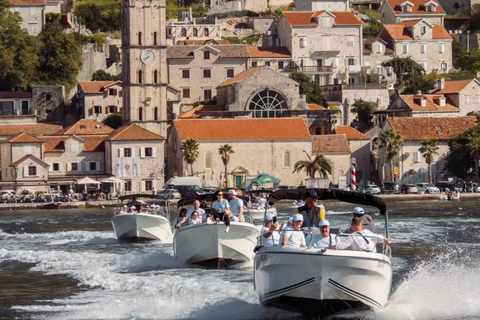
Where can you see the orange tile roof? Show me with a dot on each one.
(132, 132)
(314, 106)
(241, 76)
(351, 133)
(269, 52)
(23, 137)
(454, 86)
(16, 163)
(195, 112)
(418, 7)
(330, 143)
(93, 143)
(27, 2)
(419, 129)
(54, 144)
(34, 129)
(439, 32)
(94, 87)
(239, 129)
(414, 103)
(410, 23)
(305, 18)
(86, 126)
(397, 31)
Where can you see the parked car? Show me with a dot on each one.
(409, 188)
(169, 194)
(476, 187)
(372, 189)
(391, 187)
(427, 187)
(444, 185)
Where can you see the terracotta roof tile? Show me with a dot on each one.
(132, 132)
(418, 7)
(195, 112)
(226, 51)
(54, 144)
(93, 143)
(410, 23)
(455, 86)
(432, 104)
(241, 76)
(27, 2)
(305, 18)
(23, 137)
(330, 143)
(313, 106)
(351, 133)
(189, 42)
(238, 129)
(400, 32)
(397, 31)
(84, 127)
(34, 129)
(439, 32)
(28, 156)
(14, 95)
(269, 52)
(94, 87)
(419, 129)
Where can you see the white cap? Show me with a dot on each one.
(358, 210)
(133, 207)
(290, 220)
(231, 191)
(268, 217)
(297, 217)
(324, 223)
(125, 206)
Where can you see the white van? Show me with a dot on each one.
(182, 181)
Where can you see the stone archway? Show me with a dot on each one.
(316, 129)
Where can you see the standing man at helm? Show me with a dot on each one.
(312, 214)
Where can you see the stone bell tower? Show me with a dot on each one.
(144, 64)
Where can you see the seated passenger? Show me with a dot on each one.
(360, 239)
(196, 207)
(295, 238)
(194, 219)
(124, 209)
(324, 239)
(269, 237)
(133, 209)
(182, 217)
(221, 210)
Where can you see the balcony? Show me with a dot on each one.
(355, 68)
(315, 69)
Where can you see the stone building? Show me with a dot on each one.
(326, 45)
(395, 11)
(98, 99)
(197, 70)
(33, 13)
(335, 148)
(319, 5)
(260, 146)
(48, 103)
(276, 58)
(464, 94)
(194, 29)
(15, 104)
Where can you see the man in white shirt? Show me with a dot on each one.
(196, 207)
(236, 205)
(324, 239)
(269, 237)
(295, 238)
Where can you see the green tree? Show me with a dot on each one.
(470, 61)
(372, 28)
(225, 151)
(457, 52)
(404, 68)
(61, 57)
(114, 120)
(190, 152)
(311, 166)
(459, 160)
(428, 149)
(424, 83)
(364, 110)
(308, 87)
(101, 75)
(473, 145)
(391, 141)
(101, 16)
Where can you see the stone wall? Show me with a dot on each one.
(48, 103)
(94, 57)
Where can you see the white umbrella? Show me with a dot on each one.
(111, 180)
(88, 180)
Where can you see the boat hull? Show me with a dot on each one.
(207, 242)
(137, 226)
(322, 283)
(259, 214)
(50, 206)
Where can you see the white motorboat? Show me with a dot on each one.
(258, 213)
(321, 282)
(206, 242)
(142, 225)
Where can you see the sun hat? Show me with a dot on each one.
(324, 223)
(359, 211)
(231, 191)
(268, 217)
(298, 217)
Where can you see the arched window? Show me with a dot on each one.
(268, 104)
(139, 38)
(140, 76)
(155, 76)
(155, 114)
(140, 114)
(154, 38)
(286, 159)
(206, 32)
(195, 32)
(183, 32)
(208, 160)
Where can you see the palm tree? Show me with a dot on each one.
(428, 149)
(473, 145)
(225, 151)
(320, 164)
(190, 152)
(391, 141)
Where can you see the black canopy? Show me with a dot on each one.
(328, 194)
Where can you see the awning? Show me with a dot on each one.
(265, 178)
(88, 180)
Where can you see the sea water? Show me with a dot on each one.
(67, 264)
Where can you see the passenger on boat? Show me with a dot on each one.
(196, 207)
(288, 227)
(295, 238)
(133, 209)
(358, 215)
(269, 236)
(154, 209)
(360, 239)
(221, 210)
(311, 213)
(236, 205)
(193, 219)
(324, 239)
(262, 202)
(182, 217)
(124, 209)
